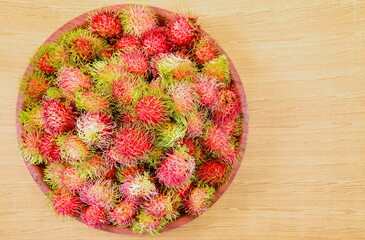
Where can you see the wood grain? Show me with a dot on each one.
(302, 63)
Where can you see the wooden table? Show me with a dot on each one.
(303, 67)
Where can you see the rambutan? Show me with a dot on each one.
(54, 92)
(173, 68)
(123, 213)
(105, 73)
(30, 146)
(183, 191)
(96, 128)
(139, 188)
(94, 216)
(176, 169)
(184, 98)
(195, 124)
(151, 110)
(161, 206)
(169, 134)
(182, 31)
(155, 41)
(105, 23)
(229, 155)
(128, 43)
(216, 139)
(53, 174)
(194, 149)
(102, 193)
(71, 180)
(49, 149)
(208, 90)
(205, 49)
(71, 79)
(218, 68)
(72, 149)
(135, 62)
(146, 223)
(56, 116)
(49, 58)
(91, 101)
(94, 167)
(31, 117)
(138, 19)
(36, 86)
(131, 143)
(199, 200)
(227, 106)
(212, 172)
(66, 204)
(128, 173)
(127, 88)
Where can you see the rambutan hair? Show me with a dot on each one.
(162, 206)
(138, 19)
(218, 68)
(95, 167)
(48, 148)
(227, 106)
(106, 24)
(208, 89)
(94, 216)
(135, 62)
(123, 213)
(146, 223)
(29, 146)
(152, 110)
(128, 173)
(128, 43)
(184, 98)
(140, 188)
(72, 149)
(66, 204)
(155, 41)
(205, 49)
(199, 200)
(213, 172)
(102, 193)
(91, 101)
(182, 31)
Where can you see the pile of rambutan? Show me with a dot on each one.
(134, 119)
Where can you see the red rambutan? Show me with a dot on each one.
(102, 193)
(49, 149)
(139, 188)
(71, 79)
(183, 191)
(36, 87)
(53, 174)
(128, 43)
(151, 110)
(173, 68)
(199, 200)
(227, 106)
(123, 213)
(205, 49)
(71, 180)
(212, 172)
(95, 128)
(208, 90)
(135, 62)
(66, 204)
(138, 19)
(155, 41)
(94, 216)
(216, 139)
(45, 64)
(128, 173)
(105, 23)
(91, 101)
(95, 167)
(146, 223)
(72, 149)
(176, 169)
(182, 31)
(195, 124)
(161, 206)
(184, 98)
(127, 88)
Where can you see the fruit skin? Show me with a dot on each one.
(131, 144)
(123, 213)
(49, 58)
(195, 124)
(96, 128)
(212, 172)
(49, 149)
(94, 216)
(208, 89)
(135, 62)
(169, 134)
(102, 193)
(176, 169)
(66, 204)
(146, 223)
(35, 85)
(128, 43)
(151, 110)
(173, 68)
(71, 79)
(182, 31)
(105, 23)
(138, 19)
(95, 167)
(57, 117)
(218, 68)
(71, 180)
(30, 117)
(216, 139)
(205, 49)
(139, 189)
(155, 41)
(72, 149)
(199, 200)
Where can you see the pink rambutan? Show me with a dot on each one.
(128, 43)
(30, 146)
(146, 223)
(94, 216)
(193, 149)
(95, 167)
(212, 172)
(195, 124)
(123, 213)
(208, 90)
(66, 204)
(128, 173)
(184, 98)
(71, 179)
(127, 88)
(155, 41)
(138, 19)
(72, 149)
(96, 128)
(131, 143)
(102, 193)
(151, 110)
(227, 106)
(71, 79)
(91, 101)
(216, 139)
(49, 149)
(182, 31)
(161, 206)
(139, 188)
(199, 200)
(135, 62)
(205, 49)
(105, 23)
(176, 169)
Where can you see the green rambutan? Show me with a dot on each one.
(169, 134)
(138, 19)
(106, 24)
(53, 173)
(71, 79)
(146, 223)
(218, 68)
(95, 167)
(139, 188)
(49, 149)
(155, 41)
(54, 92)
(96, 128)
(199, 200)
(102, 193)
(128, 43)
(176, 169)
(94, 216)
(123, 213)
(105, 73)
(30, 146)
(208, 90)
(66, 204)
(91, 101)
(135, 62)
(162, 206)
(127, 89)
(31, 117)
(131, 144)
(49, 58)
(128, 173)
(173, 68)
(35, 86)
(72, 149)
(212, 172)
(182, 31)
(151, 110)
(205, 49)
(184, 98)
(57, 117)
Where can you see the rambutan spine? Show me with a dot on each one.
(199, 200)
(102, 193)
(66, 204)
(138, 19)
(106, 24)
(94, 216)
(123, 213)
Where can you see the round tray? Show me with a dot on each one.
(163, 15)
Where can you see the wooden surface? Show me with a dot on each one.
(303, 68)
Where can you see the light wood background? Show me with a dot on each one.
(302, 63)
